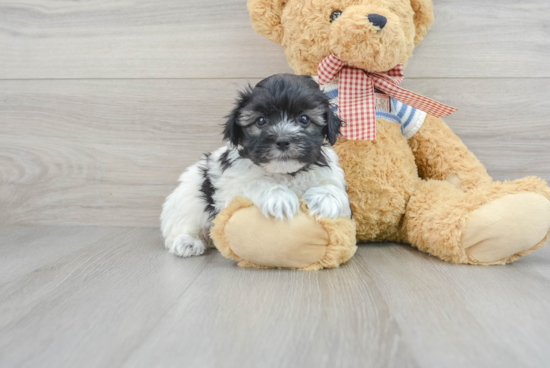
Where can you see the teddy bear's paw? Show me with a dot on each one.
(186, 246)
(506, 226)
(327, 201)
(279, 202)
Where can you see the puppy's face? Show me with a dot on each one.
(282, 123)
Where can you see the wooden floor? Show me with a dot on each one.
(113, 297)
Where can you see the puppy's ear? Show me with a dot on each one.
(232, 131)
(332, 129)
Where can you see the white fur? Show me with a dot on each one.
(283, 167)
(327, 201)
(277, 194)
(186, 246)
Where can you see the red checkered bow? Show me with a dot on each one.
(356, 96)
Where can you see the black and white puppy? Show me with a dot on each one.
(277, 153)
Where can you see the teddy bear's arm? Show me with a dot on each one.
(441, 155)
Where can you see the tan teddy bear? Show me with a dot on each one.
(416, 182)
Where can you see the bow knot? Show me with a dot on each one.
(356, 96)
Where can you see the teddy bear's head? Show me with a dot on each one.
(373, 35)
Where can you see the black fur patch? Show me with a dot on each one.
(207, 188)
(283, 98)
(224, 160)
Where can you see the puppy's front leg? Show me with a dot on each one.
(273, 199)
(328, 201)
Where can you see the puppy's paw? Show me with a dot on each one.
(186, 246)
(279, 202)
(327, 201)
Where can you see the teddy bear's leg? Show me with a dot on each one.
(495, 223)
(441, 155)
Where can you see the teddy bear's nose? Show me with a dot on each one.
(377, 20)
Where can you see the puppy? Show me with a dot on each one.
(279, 134)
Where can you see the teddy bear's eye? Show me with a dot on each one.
(335, 14)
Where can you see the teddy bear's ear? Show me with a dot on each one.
(266, 18)
(423, 18)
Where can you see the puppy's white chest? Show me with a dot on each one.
(298, 183)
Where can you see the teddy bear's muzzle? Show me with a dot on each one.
(371, 38)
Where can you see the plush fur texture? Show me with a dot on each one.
(421, 190)
(436, 214)
(278, 154)
(305, 29)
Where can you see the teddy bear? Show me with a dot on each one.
(410, 179)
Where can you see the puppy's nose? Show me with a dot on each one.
(378, 20)
(283, 143)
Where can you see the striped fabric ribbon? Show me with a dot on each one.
(356, 96)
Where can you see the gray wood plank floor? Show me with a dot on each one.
(113, 297)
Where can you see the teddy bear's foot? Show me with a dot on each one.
(505, 227)
(492, 224)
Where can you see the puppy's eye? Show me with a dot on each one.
(261, 121)
(335, 14)
(304, 120)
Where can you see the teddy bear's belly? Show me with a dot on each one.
(380, 176)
